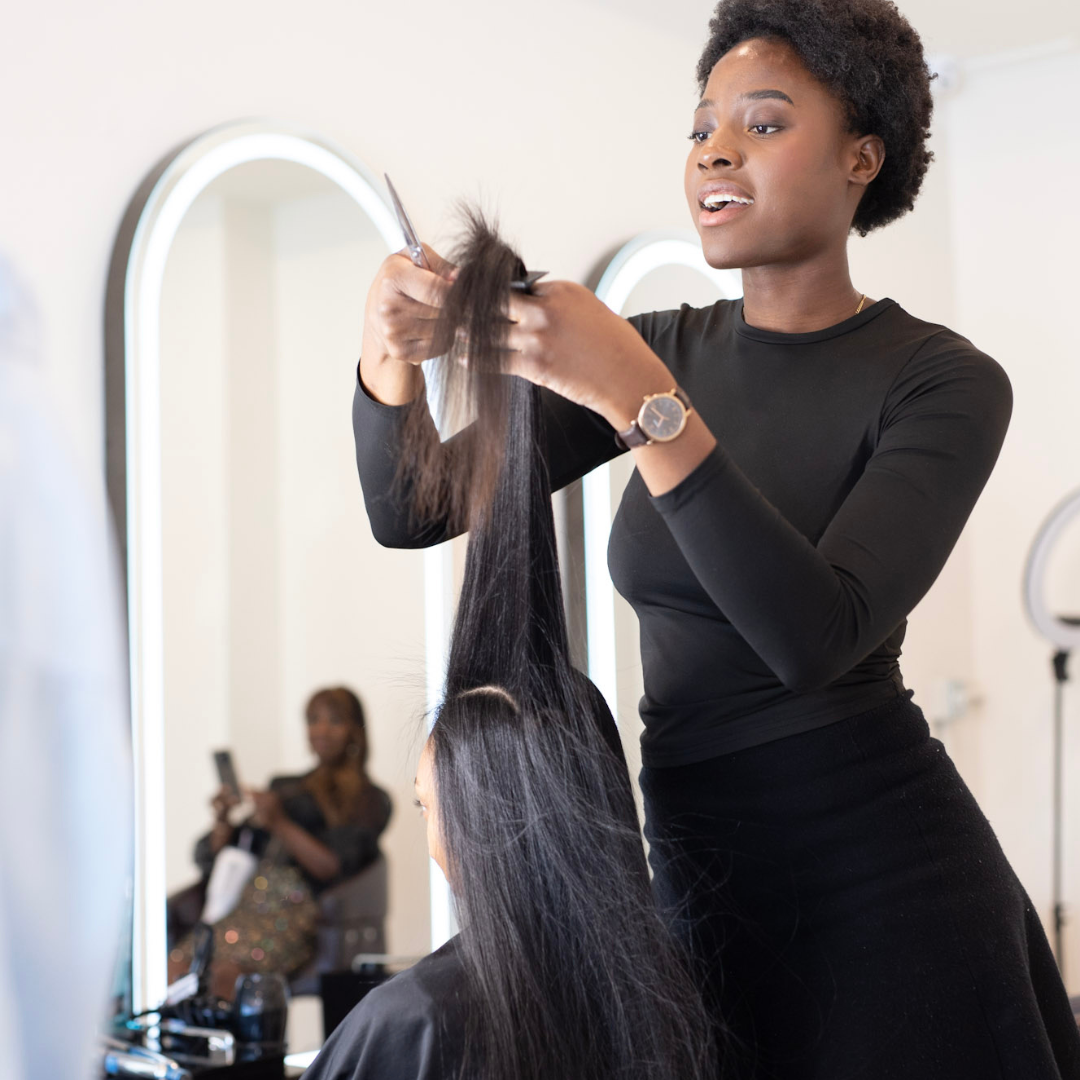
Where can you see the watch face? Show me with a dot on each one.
(662, 418)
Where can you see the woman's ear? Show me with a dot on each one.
(868, 157)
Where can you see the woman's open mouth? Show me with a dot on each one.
(718, 207)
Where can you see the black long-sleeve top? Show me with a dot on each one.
(773, 584)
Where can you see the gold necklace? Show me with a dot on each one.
(861, 302)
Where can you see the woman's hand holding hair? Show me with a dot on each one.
(399, 324)
(567, 340)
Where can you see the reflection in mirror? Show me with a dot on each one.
(654, 272)
(233, 322)
(273, 586)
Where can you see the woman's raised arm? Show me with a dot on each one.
(399, 329)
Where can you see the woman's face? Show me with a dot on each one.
(772, 153)
(424, 784)
(329, 734)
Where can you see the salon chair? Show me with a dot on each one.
(352, 919)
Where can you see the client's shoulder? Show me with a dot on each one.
(436, 981)
(408, 1028)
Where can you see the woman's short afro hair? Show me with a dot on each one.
(868, 55)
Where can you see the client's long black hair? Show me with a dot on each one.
(571, 972)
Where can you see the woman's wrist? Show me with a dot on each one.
(388, 381)
(627, 394)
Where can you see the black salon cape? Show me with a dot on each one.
(409, 1028)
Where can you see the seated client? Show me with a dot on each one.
(562, 967)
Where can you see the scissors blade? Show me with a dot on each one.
(412, 242)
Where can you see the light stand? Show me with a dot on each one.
(1063, 631)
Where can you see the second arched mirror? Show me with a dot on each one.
(656, 271)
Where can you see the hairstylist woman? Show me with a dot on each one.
(850, 905)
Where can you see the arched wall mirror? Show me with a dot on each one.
(233, 324)
(656, 271)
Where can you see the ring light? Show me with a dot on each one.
(1062, 632)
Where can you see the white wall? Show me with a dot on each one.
(1016, 287)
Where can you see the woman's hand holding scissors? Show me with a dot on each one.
(561, 336)
(399, 322)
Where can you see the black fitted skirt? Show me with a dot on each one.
(853, 914)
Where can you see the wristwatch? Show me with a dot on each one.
(660, 419)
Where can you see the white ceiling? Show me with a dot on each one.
(962, 28)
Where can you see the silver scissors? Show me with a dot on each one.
(412, 241)
(524, 283)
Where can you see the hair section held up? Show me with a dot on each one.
(465, 383)
(571, 970)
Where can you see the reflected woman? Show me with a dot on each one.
(806, 459)
(310, 832)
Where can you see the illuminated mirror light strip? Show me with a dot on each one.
(1047, 622)
(184, 179)
(630, 265)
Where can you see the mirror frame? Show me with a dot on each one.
(630, 264)
(133, 463)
